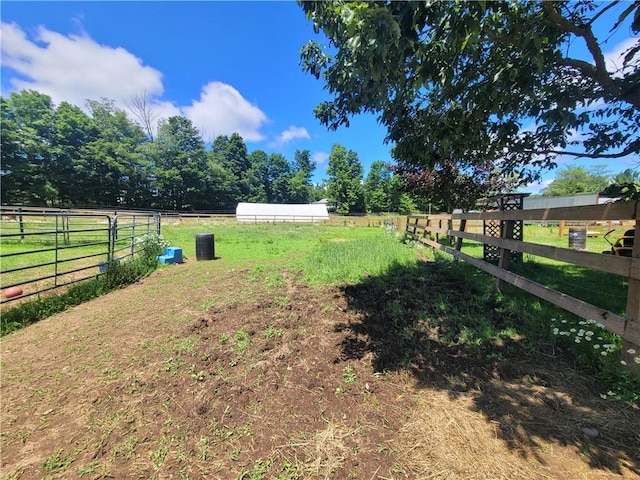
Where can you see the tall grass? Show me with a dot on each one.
(350, 261)
(263, 244)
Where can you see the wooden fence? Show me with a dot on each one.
(428, 229)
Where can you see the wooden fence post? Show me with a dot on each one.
(463, 227)
(505, 253)
(633, 302)
(561, 229)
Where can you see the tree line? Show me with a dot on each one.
(62, 156)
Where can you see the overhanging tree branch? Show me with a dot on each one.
(598, 71)
(631, 149)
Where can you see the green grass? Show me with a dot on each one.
(117, 275)
(457, 301)
(598, 288)
(265, 246)
(350, 261)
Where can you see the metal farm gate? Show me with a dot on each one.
(43, 251)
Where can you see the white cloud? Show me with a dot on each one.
(291, 134)
(536, 187)
(320, 157)
(75, 68)
(221, 110)
(162, 109)
(615, 57)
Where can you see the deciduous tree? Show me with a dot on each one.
(448, 186)
(575, 180)
(109, 167)
(181, 165)
(300, 181)
(378, 187)
(345, 180)
(27, 131)
(470, 82)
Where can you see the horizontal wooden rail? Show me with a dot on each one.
(612, 322)
(424, 228)
(605, 263)
(609, 211)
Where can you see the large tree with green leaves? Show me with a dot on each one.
(181, 164)
(108, 170)
(27, 130)
(278, 178)
(378, 187)
(576, 180)
(471, 82)
(257, 178)
(74, 131)
(300, 182)
(345, 180)
(233, 155)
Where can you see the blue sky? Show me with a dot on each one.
(227, 66)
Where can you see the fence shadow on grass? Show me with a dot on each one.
(443, 324)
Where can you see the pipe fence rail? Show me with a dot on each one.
(42, 251)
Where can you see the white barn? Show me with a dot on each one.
(277, 212)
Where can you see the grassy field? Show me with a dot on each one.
(333, 254)
(314, 352)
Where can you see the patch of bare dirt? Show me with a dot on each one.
(202, 372)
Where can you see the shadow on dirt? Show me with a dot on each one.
(437, 322)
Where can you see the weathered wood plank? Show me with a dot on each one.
(612, 322)
(463, 226)
(505, 253)
(631, 342)
(609, 211)
(605, 263)
(439, 230)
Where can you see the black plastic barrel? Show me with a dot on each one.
(578, 238)
(205, 246)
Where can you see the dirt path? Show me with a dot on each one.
(202, 372)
